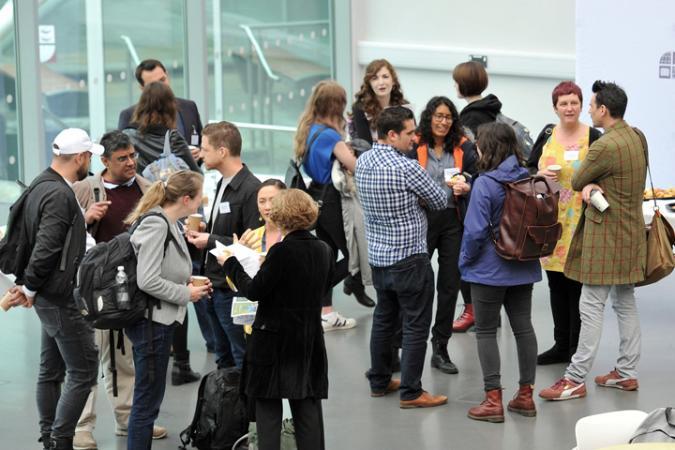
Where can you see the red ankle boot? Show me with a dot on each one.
(491, 410)
(522, 403)
(465, 321)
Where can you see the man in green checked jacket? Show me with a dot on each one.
(608, 250)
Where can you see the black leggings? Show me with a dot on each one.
(331, 230)
(565, 295)
(179, 343)
(517, 301)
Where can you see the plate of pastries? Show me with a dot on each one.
(659, 193)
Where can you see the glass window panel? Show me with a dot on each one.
(151, 29)
(271, 54)
(9, 129)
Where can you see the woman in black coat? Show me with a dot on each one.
(286, 353)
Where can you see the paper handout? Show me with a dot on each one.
(249, 259)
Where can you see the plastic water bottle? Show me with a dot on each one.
(122, 289)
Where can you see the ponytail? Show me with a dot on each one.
(154, 196)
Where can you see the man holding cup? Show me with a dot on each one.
(608, 250)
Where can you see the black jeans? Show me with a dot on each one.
(67, 346)
(565, 294)
(331, 230)
(151, 360)
(307, 421)
(406, 287)
(179, 345)
(445, 236)
(517, 301)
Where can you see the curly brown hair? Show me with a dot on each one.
(366, 98)
(157, 106)
(293, 209)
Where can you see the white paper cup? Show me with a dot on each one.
(555, 168)
(598, 201)
(449, 173)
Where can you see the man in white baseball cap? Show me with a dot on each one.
(56, 230)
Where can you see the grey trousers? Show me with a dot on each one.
(591, 309)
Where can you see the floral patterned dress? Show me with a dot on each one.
(570, 205)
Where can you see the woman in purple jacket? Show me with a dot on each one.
(496, 281)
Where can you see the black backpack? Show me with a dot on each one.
(522, 134)
(14, 247)
(95, 294)
(220, 417)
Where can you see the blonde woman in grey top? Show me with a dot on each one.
(163, 272)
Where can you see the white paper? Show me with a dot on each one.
(248, 258)
(6, 283)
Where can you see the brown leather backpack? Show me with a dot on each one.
(529, 227)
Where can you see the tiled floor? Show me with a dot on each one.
(356, 421)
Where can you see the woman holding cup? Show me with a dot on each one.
(558, 153)
(450, 158)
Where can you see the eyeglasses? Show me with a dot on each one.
(442, 117)
(123, 159)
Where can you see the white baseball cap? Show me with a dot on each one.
(72, 141)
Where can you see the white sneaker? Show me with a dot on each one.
(334, 321)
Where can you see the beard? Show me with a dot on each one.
(82, 172)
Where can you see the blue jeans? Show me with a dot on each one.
(151, 360)
(230, 344)
(406, 287)
(67, 346)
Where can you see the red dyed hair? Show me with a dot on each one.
(566, 88)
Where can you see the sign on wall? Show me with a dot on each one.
(634, 47)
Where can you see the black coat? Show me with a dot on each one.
(187, 109)
(360, 125)
(242, 196)
(286, 353)
(150, 146)
(479, 112)
(56, 236)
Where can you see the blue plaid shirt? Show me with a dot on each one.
(390, 187)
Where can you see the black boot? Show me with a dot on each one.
(553, 355)
(354, 285)
(62, 444)
(182, 373)
(440, 359)
(46, 439)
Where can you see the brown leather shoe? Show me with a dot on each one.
(522, 403)
(425, 400)
(393, 386)
(491, 410)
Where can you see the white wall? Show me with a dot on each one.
(530, 46)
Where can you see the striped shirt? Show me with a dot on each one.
(391, 189)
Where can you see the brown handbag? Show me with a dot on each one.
(529, 227)
(660, 238)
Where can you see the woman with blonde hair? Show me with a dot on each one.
(164, 273)
(286, 353)
(380, 89)
(319, 142)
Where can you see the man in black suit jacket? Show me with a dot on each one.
(188, 122)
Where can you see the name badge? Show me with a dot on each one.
(224, 208)
(571, 155)
(194, 140)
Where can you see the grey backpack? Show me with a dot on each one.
(658, 426)
(522, 133)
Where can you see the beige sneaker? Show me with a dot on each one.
(157, 432)
(614, 380)
(84, 440)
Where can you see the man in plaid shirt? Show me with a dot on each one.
(608, 249)
(393, 190)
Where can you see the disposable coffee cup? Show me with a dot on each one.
(193, 222)
(598, 200)
(449, 173)
(199, 280)
(4, 302)
(555, 168)
(205, 200)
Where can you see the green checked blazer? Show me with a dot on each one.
(610, 248)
